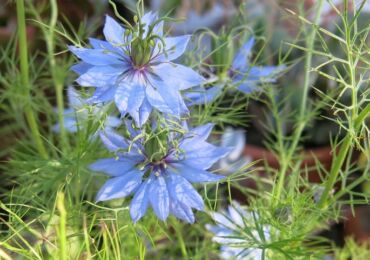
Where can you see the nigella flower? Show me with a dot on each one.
(134, 68)
(239, 233)
(77, 113)
(240, 74)
(159, 173)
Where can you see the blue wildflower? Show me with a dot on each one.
(159, 175)
(240, 74)
(134, 68)
(239, 233)
(77, 113)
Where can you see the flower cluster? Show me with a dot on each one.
(158, 158)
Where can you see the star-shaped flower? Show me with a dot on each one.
(241, 75)
(159, 176)
(134, 68)
(239, 233)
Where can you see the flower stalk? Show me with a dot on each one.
(301, 119)
(24, 70)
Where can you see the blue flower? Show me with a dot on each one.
(239, 233)
(134, 68)
(159, 176)
(78, 112)
(241, 74)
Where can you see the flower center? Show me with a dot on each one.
(141, 52)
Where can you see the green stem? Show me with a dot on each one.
(179, 235)
(302, 122)
(62, 234)
(339, 160)
(49, 35)
(29, 113)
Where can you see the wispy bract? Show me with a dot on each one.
(77, 113)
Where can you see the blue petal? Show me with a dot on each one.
(101, 76)
(262, 72)
(182, 211)
(241, 60)
(112, 122)
(178, 76)
(171, 96)
(201, 132)
(81, 68)
(248, 87)
(112, 140)
(200, 95)
(119, 187)
(97, 57)
(113, 166)
(140, 201)
(202, 155)
(196, 175)
(175, 47)
(156, 100)
(150, 18)
(129, 97)
(159, 197)
(142, 114)
(74, 98)
(99, 44)
(113, 31)
(181, 190)
(102, 95)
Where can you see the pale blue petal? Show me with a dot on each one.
(102, 95)
(241, 60)
(112, 140)
(203, 155)
(196, 175)
(113, 122)
(120, 187)
(74, 98)
(175, 47)
(100, 44)
(129, 97)
(140, 201)
(144, 113)
(113, 31)
(97, 57)
(171, 96)
(200, 95)
(100, 76)
(264, 72)
(248, 87)
(81, 68)
(182, 211)
(159, 197)
(178, 76)
(156, 100)
(112, 166)
(201, 132)
(181, 190)
(150, 18)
